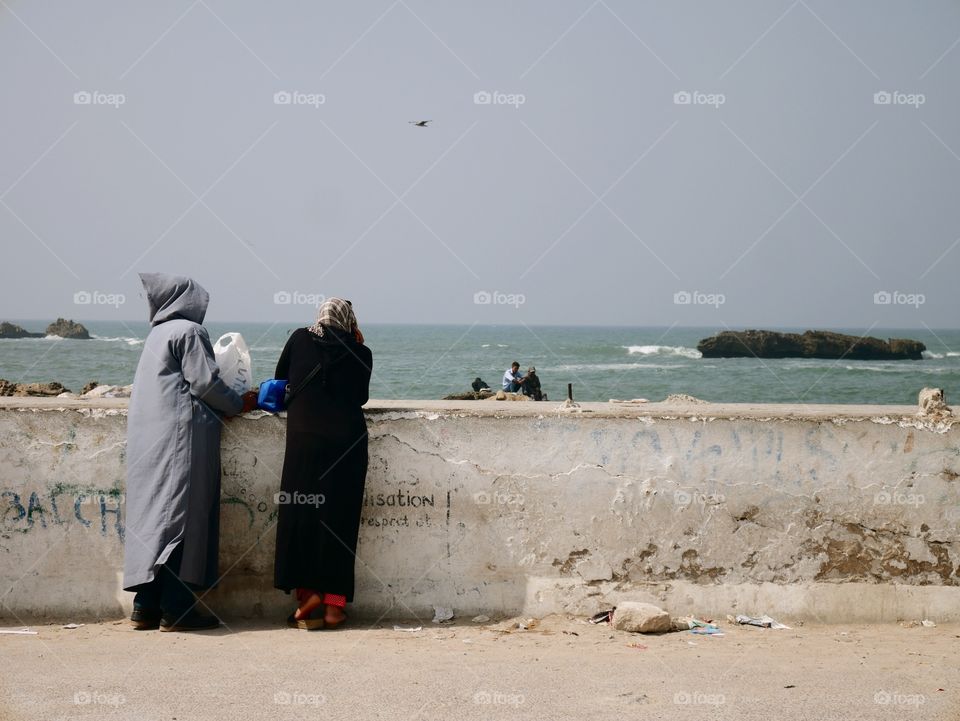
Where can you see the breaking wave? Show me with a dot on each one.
(663, 350)
(616, 367)
(899, 369)
(118, 339)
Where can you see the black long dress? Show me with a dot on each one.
(325, 464)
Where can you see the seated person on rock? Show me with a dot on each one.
(512, 380)
(531, 385)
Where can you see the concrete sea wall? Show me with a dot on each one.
(832, 513)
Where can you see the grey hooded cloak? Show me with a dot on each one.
(173, 439)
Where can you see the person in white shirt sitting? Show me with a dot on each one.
(512, 380)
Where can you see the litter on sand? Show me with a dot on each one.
(638, 646)
(442, 613)
(18, 632)
(708, 630)
(408, 629)
(698, 627)
(761, 621)
(74, 625)
(925, 623)
(480, 619)
(603, 616)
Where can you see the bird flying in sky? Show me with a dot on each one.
(420, 123)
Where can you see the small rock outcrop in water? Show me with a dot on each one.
(68, 329)
(31, 389)
(684, 398)
(11, 330)
(507, 396)
(107, 391)
(469, 395)
(811, 344)
(90, 391)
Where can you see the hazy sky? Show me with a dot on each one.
(579, 185)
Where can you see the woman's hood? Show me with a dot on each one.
(336, 345)
(174, 296)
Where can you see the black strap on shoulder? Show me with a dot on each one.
(303, 384)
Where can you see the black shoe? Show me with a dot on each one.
(190, 621)
(145, 619)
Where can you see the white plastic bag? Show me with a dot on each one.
(233, 357)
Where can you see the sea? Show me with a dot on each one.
(601, 363)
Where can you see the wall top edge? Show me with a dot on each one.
(431, 410)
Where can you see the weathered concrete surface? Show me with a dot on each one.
(833, 513)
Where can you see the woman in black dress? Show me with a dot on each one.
(325, 464)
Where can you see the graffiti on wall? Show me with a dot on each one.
(99, 509)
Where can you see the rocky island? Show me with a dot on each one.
(68, 329)
(810, 344)
(60, 327)
(12, 330)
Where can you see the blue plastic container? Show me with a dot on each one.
(272, 396)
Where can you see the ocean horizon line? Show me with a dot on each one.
(737, 327)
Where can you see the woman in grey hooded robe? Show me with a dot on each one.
(173, 459)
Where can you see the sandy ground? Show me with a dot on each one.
(563, 668)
